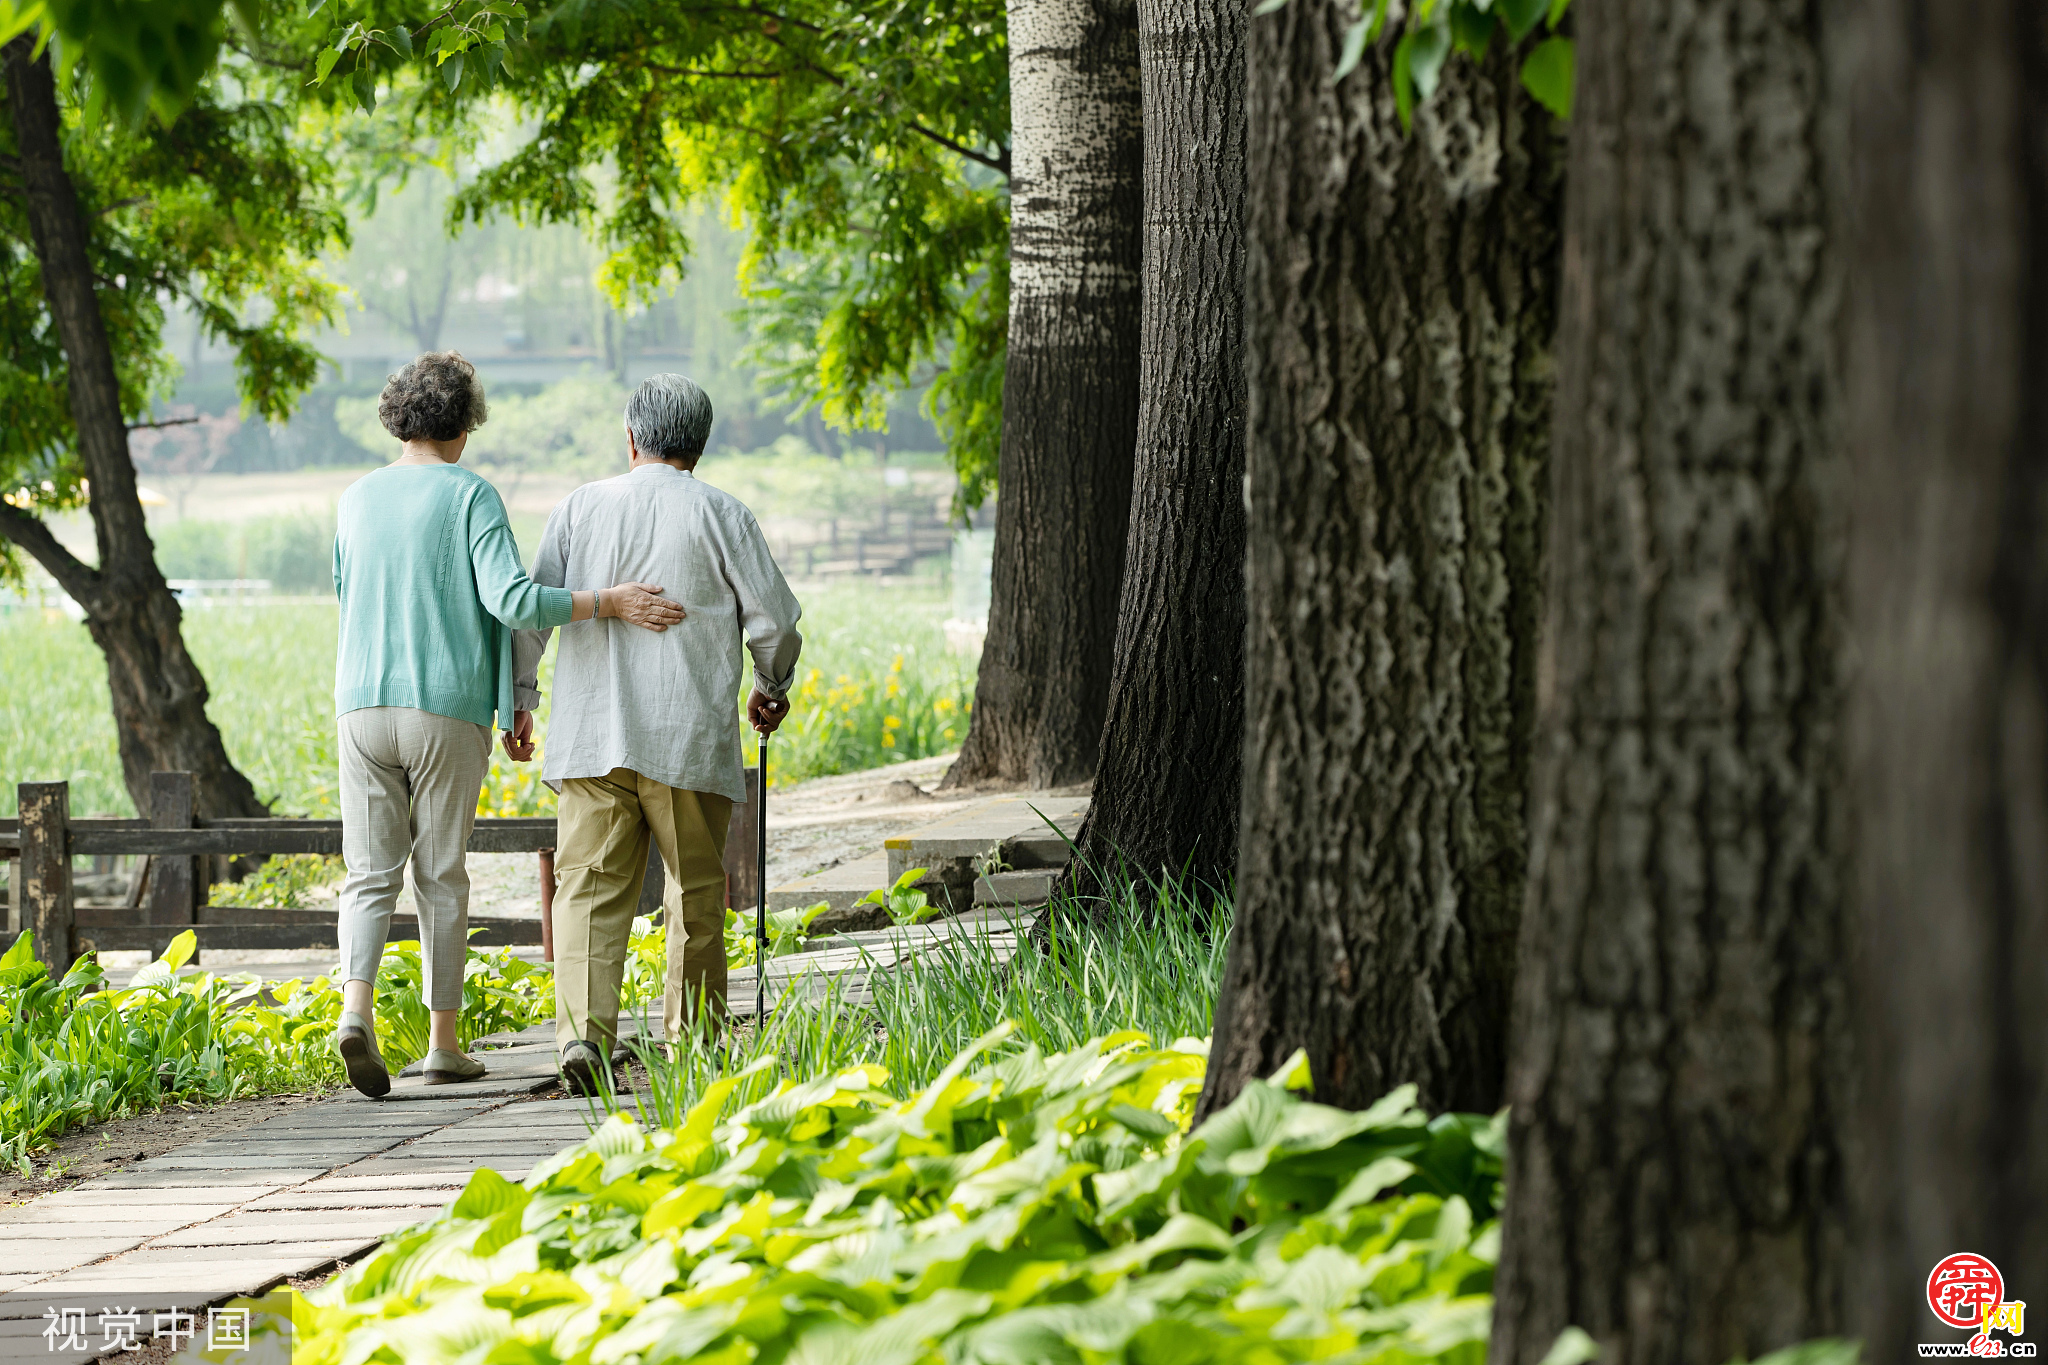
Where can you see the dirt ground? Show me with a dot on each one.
(107, 1147)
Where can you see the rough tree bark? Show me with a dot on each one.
(1400, 296)
(1166, 783)
(1070, 395)
(1679, 1082)
(1947, 399)
(159, 695)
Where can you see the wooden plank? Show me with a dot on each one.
(154, 938)
(525, 834)
(173, 880)
(46, 870)
(743, 849)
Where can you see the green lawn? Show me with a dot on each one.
(876, 685)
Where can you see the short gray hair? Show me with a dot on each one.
(670, 418)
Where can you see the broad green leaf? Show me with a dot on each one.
(1557, 9)
(20, 953)
(400, 37)
(1355, 39)
(1547, 75)
(180, 950)
(1471, 31)
(17, 20)
(487, 1195)
(324, 63)
(1426, 58)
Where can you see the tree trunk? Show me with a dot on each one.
(1166, 789)
(1070, 395)
(158, 693)
(1679, 1084)
(1400, 294)
(1947, 396)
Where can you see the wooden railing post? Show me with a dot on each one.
(655, 882)
(173, 885)
(46, 911)
(742, 850)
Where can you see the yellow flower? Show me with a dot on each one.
(892, 722)
(888, 741)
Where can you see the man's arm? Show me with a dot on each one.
(769, 612)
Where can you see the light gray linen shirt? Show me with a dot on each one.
(664, 705)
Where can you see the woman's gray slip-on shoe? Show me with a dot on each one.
(449, 1068)
(356, 1041)
(582, 1065)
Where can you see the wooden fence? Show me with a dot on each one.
(171, 892)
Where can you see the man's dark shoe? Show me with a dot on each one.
(584, 1069)
(356, 1041)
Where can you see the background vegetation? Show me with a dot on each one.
(871, 655)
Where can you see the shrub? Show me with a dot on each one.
(1031, 1209)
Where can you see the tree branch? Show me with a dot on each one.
(999, 164)
(80, 581)
(157, 426)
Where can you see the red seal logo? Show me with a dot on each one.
(1960, 1285)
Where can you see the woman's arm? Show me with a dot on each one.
(515, 599)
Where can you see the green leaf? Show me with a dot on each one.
(364, 83)
(1557, 9)
(400, 37)
(487, 1195)
(451, 71)
(1404, 82)
(20, 953)
(1426, 59)
(1472, 30)
(324, 64)
(1521, 15)
(1547, 75)
(1354, 50)
(313, 7)
(14, 22)
(180, 950)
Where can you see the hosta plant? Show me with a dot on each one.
(1022, 1208)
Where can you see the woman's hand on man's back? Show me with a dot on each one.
(642, 605)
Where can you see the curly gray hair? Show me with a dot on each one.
(436, 398)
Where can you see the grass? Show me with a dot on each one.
(1106, 975)
(878, 655)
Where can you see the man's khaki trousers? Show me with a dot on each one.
(601, 860)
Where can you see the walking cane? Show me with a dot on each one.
(761, 886)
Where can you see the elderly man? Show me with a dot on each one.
(643, 740)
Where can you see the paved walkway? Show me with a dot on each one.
(237, 1215)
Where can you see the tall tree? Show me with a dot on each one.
(1166, 790)
(1070, 394)
(214, 209)
(1947, 400)
(1400, 300)
(1679, 1078)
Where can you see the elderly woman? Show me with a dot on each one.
(431, 589)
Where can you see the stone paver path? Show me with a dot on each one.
(236, 1215)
